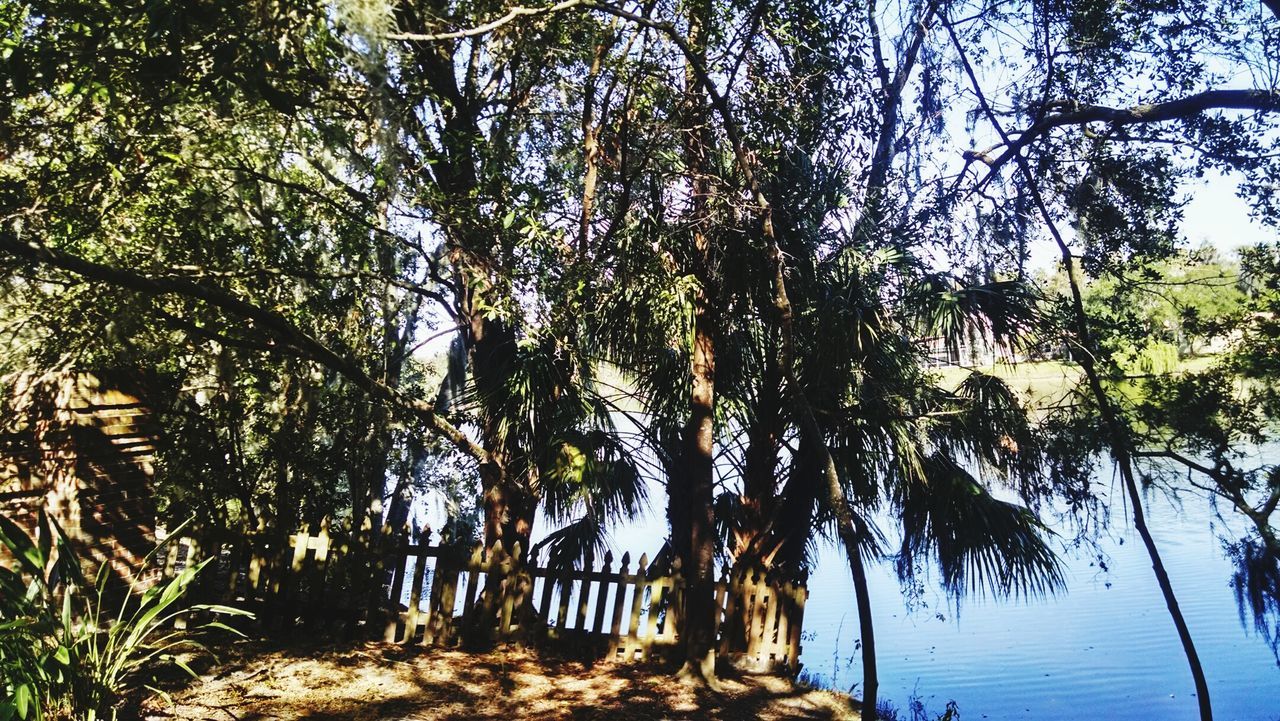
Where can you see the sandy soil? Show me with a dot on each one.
(385, 682)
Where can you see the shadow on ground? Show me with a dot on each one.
(385, 682)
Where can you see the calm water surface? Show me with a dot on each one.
(1105, 648)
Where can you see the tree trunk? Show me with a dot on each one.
(870, 675)
(692, 503)
(1118, 436)
(492, 346)
(699, 563)
(1122, 451)
(509, 513)
(756, 533)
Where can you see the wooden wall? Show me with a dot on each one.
(81, 446)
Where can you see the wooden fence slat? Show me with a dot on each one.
(759, 619)
(730, 626)
(777, 652)
(602, 593)
(657, 593)
(235, 557)
(632, 647)
(343, 616)
(565, 584)
(584, 593)
(415, 594)
(675, 607)
(619, 598)
(801, 594)
(544, 603)
(317, 599)
(399, 551)
(192, 548)
(448, 599)
(513, 590)
(472, 572)
(309, 577)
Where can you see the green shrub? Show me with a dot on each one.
(62, 651)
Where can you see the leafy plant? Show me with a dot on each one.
(61, 650)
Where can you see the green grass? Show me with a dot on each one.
(1044, 384)
(1041, 384)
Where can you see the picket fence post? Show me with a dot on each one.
(306, 578)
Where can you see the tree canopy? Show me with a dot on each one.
(710, 244)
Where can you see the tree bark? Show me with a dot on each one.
(862, 593)
(698, 440)
(756, 536)
(693, 501)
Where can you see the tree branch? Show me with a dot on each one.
(1066, 113)
(512, 15)
(277, 325)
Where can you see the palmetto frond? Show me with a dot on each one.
(990, 424)
(593, 473)
(979, 543)
(1004, 313)
(572, 544)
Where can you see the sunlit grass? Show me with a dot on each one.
(1045, 384)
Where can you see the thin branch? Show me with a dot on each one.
(1069, 113)
(512, 15)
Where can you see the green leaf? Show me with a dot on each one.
(180, 664)
(62, 656)
(20, 545)
(223, 627)
(22, 700)
(45, 539)
(225, 610)
(159, 692)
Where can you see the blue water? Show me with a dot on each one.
(1105, 648)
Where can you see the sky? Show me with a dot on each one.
(1217, 215)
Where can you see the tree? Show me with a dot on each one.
(1120, 191)
(757, 211)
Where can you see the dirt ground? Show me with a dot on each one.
(385, 682)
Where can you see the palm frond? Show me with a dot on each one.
(991, 424)
(594, 473)
(979, 543)
(571, 545)
(1005, 313)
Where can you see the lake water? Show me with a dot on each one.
(1105, 648)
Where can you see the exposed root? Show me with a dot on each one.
(700, 675)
